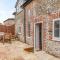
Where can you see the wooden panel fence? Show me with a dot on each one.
(7, 29)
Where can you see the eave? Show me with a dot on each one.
(26, 3)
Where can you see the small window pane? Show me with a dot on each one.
(19, 29)
(56, 28)
(56, 32)
(56, 24)
(29, 23)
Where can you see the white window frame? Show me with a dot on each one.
(55, 38)
(28, 23)
(18, 25)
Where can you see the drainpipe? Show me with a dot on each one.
(24, 25)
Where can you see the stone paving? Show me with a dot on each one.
(15, 51)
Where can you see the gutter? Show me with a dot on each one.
(24, 25)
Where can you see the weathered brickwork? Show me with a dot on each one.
(46, 15)
(52, 46)
(29, 39)
(38, 11)
(20, 25)
(42, 7)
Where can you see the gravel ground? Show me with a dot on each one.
(41, 55)
(15, 51)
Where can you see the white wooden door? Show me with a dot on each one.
(37, 37)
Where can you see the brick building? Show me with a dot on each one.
(42, 23)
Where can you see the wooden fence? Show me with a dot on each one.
(7, 29)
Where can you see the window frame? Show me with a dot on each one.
(56, 38)
(29, 23)
(18, 27)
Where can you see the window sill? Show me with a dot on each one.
(28, 36)
(56, 39)
(19, 33)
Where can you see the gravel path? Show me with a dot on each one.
(15, 51)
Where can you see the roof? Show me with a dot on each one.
(22, 2)
(16, 3)
(26, 3)
(14, 13)
(9, 19)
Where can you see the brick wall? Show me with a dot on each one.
(29, 14)
(53, 47)
(46, 16)
(19, 26)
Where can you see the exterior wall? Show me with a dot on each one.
(42, 7)
(53, 47)
(33, 20)
(50, 13)
(20, 25)
(46, 16)
(28, 16)
(40, 11)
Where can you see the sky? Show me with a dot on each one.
(7, 7)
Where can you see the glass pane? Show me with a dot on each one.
(29, 29)
(59, 32)
(59, 28)
(56, 28)
(56, 24)
(56, 32)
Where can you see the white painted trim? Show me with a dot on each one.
(28, 36)
(34, 34)
(19, 33)
(55, 38)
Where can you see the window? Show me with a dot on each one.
(56, 29)
(29, 23)
(28, 28)
(18, 26)
(19, 29)
(52, 1)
